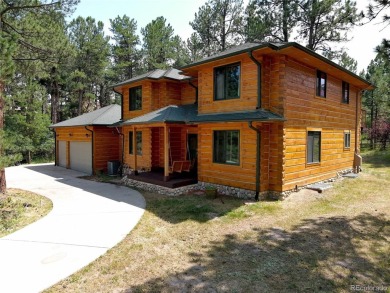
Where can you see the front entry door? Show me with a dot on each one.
(192, 154)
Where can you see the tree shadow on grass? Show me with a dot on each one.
(317, 255)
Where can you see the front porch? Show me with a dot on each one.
(157, 177)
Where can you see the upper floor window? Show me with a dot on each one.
(226, 148)
(138, 142)
(321, 84)
(313, 146)
(345, 94)
(227, 82)
(135, 95)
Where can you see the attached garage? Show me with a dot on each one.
(81, 156)
(86, 143)
(61, 149)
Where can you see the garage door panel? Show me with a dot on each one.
(62, 153)
(81, 156)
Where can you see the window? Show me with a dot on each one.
(321, 84)
(135, 94)
(313, 146)
(345, 94)
(226, 147)
(227, 82)
(138, 141)
(347, 139)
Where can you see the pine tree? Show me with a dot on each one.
(218, 24)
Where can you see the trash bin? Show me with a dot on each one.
(112, 167)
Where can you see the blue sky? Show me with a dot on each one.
(180, 12)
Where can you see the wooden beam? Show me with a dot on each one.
(166, 152)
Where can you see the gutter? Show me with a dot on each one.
(121, 102)
(93, 152)
(196, 91)
(258, 78)
(258, 159)
(123, 149)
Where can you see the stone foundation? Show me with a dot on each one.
(222, 189)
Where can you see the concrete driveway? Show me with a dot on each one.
(87, 219)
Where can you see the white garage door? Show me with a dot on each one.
(62, 153)
(81, 156)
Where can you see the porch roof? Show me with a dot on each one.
(188, 114)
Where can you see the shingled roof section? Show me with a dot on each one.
(188, 114)
(104, 116)
(171, 73)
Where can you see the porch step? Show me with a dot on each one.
(320, 187)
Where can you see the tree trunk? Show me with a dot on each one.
(285, 20)
(3, 183)
(372, 120)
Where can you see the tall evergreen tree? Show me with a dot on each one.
(25, 35)
(324, 22)
(91, 60)
(218, 24)
(270, 20)
(160, 46)
(126, 55)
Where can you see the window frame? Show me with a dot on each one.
(138, 140)
(345, 89)
(308, 134)
(214, 144)
(133, 97)
(225, 96)
(347, 133)
(321, 76)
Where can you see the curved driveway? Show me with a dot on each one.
(87, 219)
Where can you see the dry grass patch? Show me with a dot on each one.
(309, 243)
(19, 208)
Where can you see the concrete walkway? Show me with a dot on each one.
(87, 219)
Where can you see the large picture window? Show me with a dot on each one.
(321, 84)
(226, 148)
(345, 94)
(138, 141)
(227, 82)
(313, 146)
(135, 95)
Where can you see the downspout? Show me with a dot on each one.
(258, 151)
(55, 147)
(258, 79)
(93, 152)
(121, 102)
(123, 149)
(196, 91)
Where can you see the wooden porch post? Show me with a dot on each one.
(166, 153)
(135, 150)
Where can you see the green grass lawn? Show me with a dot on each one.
(19, 208)
(309, 242)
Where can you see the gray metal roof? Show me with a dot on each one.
(169, 114)
(189, 114)
(171, 73)
(103, 116)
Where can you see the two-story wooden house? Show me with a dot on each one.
(261, 117)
